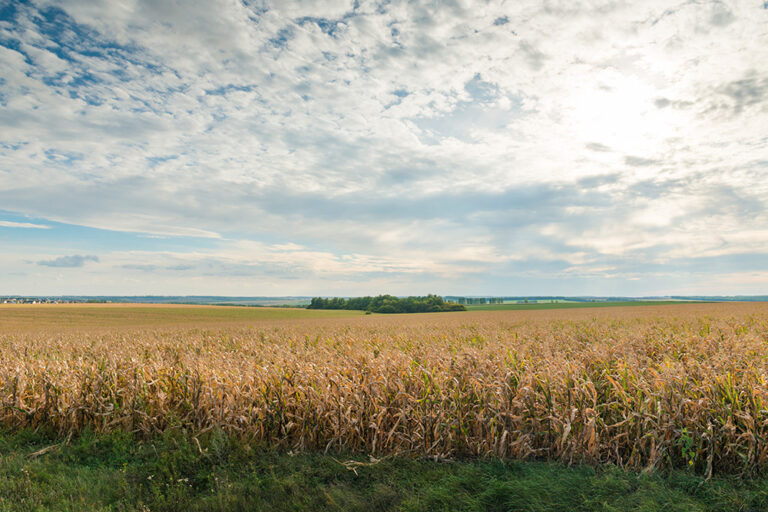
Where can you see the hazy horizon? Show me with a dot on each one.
(256, 298)
(351, 148)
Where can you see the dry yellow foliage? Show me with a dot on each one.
(639, 387)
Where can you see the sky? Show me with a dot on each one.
(258, 148)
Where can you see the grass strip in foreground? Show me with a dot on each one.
(173, 472)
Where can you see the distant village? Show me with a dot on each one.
(40, 300)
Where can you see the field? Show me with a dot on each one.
(146, 407)
(569, 305)
(86, 318)
(673, 387)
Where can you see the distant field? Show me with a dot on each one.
(567, 305)
(14, 317)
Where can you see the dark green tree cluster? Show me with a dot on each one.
(387, 304)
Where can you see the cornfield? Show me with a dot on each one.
(637, 387)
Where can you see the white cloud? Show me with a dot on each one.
(26, 225)
(410, 136)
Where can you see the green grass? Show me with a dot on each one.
(570, 305)
(118, 473)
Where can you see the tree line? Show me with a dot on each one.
(387, 304)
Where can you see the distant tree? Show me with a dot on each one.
(387, 304)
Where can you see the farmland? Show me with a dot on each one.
(86, 318)
(569, 305)
(671, 388)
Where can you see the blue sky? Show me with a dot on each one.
(340, 147)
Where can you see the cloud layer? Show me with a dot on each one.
(364, 147)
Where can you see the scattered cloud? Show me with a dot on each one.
(636, 161)
(748, 91)
(25, 225)
(73, 261)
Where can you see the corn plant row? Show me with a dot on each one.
(660, 387)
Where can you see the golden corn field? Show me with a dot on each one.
(642, 387)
